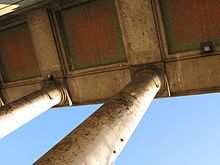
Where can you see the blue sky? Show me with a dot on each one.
(174, 131)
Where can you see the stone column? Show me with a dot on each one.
(102, 136)
(19, 112)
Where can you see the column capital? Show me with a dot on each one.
(62, 89)
(147, 70)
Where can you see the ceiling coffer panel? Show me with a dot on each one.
(92, 35)
(189, 23)
(17, 56)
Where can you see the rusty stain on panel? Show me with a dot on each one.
(93, 34)
(190, 22)
(17, 55)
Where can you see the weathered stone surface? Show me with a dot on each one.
(138, 25)
(19, 112)
(194, 75)
(102, 136)
(44, 44)
(100, 86)
(10, 94)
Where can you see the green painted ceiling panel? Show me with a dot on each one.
(92, 34)
(17, 57)
(189, 23)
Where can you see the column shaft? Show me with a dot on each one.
(102, 136)
(19, 112)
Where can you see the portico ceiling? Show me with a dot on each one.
(8, 6)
